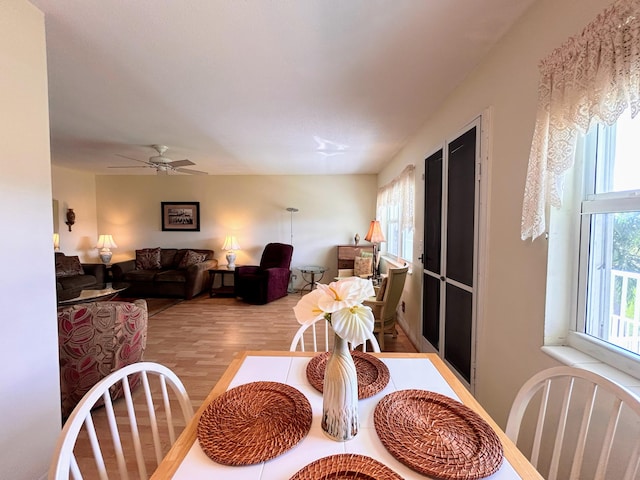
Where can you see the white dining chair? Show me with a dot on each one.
(319, 333)
(140, 420)
(576, 424)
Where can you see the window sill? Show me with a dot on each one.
(393, 262)
(575, 358)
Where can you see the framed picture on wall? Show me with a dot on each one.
(180, 216)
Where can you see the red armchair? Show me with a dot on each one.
(264, 283)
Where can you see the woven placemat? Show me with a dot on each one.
(346, 466)
(437, 436)
(253, 423)
(373, 374)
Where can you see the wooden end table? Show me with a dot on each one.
(223, 289)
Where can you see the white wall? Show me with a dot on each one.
(76, 190)
(332, 209)
(29, 381)
(510, 336)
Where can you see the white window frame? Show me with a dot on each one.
(568, 264)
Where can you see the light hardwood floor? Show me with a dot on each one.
(198, 338)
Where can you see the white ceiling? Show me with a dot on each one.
(256, 86)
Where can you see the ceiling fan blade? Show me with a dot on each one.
(131, 158)
(192, 172)
(131, 166)
(181, 163)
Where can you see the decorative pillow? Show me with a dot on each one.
(68, 266)
(362, 266)
(191, 258)
(148, 259)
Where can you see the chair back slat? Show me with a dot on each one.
(607, 443)
(578, 457)
(135, 433)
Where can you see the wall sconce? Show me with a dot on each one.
(231, 244)
(56, 242)
(105, 243)
(71, 218)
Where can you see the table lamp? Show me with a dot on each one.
(231, 244)
(105, 243)
(56, 242)
(375, 236)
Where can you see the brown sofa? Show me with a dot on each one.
(166, 272)
(73, 276)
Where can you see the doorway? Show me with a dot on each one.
(450, 271)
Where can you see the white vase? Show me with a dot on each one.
(340, 394)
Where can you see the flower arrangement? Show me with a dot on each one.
(340, 303)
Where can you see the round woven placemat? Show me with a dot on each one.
(253, 423)
(437, 436)
(373, 374)
(346, 466)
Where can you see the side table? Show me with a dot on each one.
(223, 289)
(312, 271)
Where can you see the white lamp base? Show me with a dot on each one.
(231, 261)
(105, 256)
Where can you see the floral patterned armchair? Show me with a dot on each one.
(96, 339)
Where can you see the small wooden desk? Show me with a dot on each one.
(186, 460)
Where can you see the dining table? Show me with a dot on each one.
(422, 372)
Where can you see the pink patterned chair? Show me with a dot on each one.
(96, 339)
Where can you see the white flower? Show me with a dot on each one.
(341, 304)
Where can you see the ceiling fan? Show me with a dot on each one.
(162, 164)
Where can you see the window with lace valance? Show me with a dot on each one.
(395, 209)
(594, 76)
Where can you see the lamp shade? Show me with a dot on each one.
(230, 243)
(56, 241)
(374, 235)
(106, 241)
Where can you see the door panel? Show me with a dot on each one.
(450, 240)
(431, 309)
(433, 212)
(460, 207)
(457, 331)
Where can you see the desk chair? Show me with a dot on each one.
(132, 424)
(577, 425)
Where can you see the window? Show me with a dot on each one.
(395, 208)
(611, 232)
(601, 219)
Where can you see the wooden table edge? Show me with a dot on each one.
(183, 444)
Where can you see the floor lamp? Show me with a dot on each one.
(375, 236)
(291, 210)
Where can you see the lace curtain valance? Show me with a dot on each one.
(399, 192)
(593, 76)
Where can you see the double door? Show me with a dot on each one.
(450, 251)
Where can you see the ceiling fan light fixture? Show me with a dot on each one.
(164, 165)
